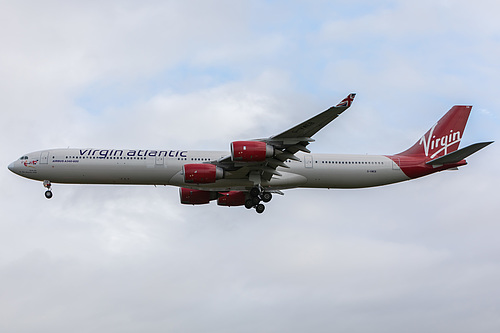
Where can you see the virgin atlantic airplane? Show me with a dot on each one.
(254, 170)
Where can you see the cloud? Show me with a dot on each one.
(414, 256)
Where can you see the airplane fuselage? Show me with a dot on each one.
(164, 167)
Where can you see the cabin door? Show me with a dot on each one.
(308, 161)
(44, 157)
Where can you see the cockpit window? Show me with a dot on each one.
(24, 158)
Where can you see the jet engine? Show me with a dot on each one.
(250, 151)
(202, 173)
(231, 198)
(196, 197)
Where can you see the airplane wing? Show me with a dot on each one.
(311, 126)
(285, 145)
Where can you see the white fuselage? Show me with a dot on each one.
(156, 167)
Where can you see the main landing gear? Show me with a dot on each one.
(256, 196)
(47, 185)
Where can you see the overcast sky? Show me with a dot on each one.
(421, 256)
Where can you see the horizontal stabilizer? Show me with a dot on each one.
(459, 155)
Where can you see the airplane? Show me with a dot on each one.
(253, 170)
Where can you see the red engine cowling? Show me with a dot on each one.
(231, 198)
(196, 197)
(202, 173)
(250, 151)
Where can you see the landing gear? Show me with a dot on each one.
(260, 208)
(249, 204)
(256, 196)
(266, 196)
(47, 185)
(255, 191)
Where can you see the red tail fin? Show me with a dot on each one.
(444, 137)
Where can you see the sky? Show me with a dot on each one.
(418, 256)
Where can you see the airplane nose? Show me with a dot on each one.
(12, 167)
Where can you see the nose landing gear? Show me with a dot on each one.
(47, 185)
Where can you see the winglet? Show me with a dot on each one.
(346, 102)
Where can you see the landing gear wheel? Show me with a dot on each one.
(260, 208)
(47, 185)
(249, 204)
(255, 191)
(266, 196)
(255, 201)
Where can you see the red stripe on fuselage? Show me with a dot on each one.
(415, 167)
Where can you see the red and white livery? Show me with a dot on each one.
(253, 170)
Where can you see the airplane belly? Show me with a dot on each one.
(356, 178)
(286, 180)
(106, 174)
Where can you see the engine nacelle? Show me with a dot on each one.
(231, 198)
(202, 173)
(250, 151)
(196, 197)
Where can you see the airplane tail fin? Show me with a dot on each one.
(442, 138)
(437, 149)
